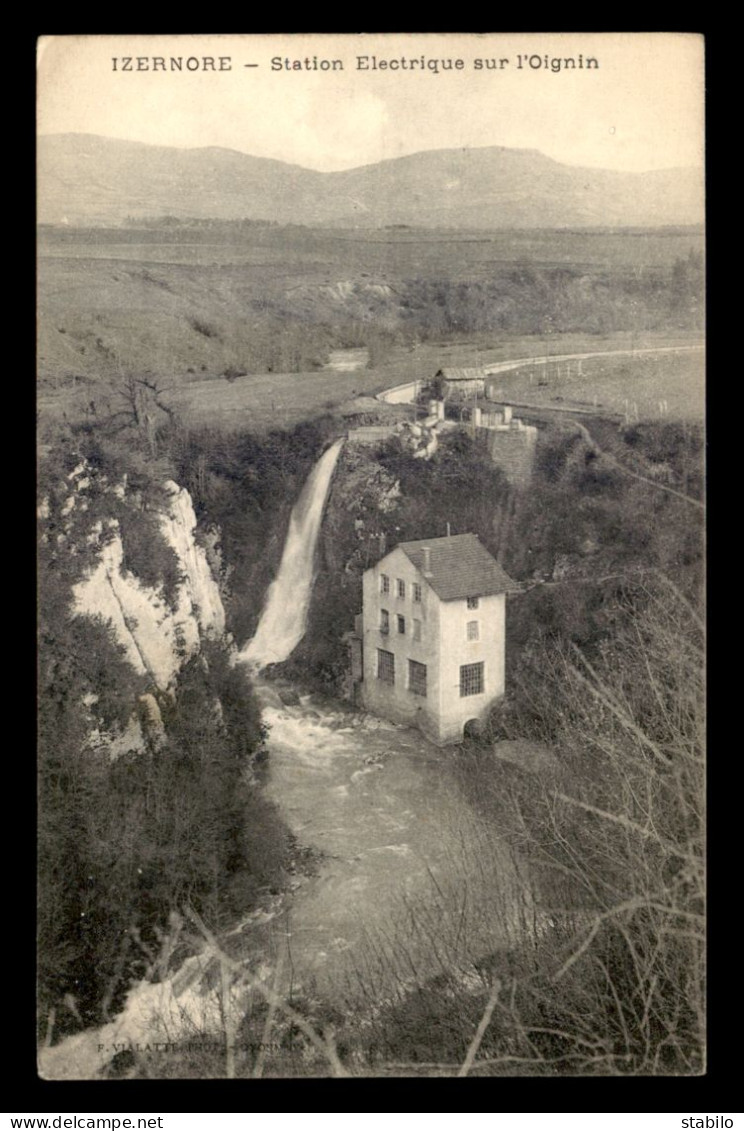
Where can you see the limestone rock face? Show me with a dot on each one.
(157, 638)
(179, 526)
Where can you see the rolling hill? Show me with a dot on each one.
(89, 180)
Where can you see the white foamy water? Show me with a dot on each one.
(409, 875)
(395, 833)
(284, 619)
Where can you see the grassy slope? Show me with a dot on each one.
(258, 402)
(607, 383)
(186, 305)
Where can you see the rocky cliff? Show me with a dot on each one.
(129, 557)
(156, 637)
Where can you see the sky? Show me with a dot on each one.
(642, 108)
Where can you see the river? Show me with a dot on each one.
(410, 883)
(381, 806)
(410, 877)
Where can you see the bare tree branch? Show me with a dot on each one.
(480, 1032)
(324, 1044)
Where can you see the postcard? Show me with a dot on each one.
(371, 511)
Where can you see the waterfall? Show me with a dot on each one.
(284, 618)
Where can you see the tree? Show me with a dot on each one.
(687, 284)
(141, 398)
(620, 836)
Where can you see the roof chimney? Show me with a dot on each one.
(426, 551)
(448, 530)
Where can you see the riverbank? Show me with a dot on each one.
(410, 883)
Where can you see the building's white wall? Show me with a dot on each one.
(397, 702)
(456, 650)
(443, 647)
(464, 385)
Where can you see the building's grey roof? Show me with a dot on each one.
(461, 373)
(460, 567)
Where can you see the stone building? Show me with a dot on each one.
(429, 647)
(462, 381)
(510, 442)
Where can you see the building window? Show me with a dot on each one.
(473, 630)
(384, 621)
(401, 588)
(384, 584)
(472, 602)
(417, 593)
(471, 679)
(417, 678)
(385, 666)
(402, 625)
(416, 629)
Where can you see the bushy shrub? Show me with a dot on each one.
(124, 842)
(147, 554)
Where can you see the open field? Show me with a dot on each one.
(643, 387)
(259, 402)
(419, 252)
(279, 400)
(284, 399)
(187, 306)
(183, 305)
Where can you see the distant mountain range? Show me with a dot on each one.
(84, 179)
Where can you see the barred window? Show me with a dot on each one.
(402, 625)
(385, 666)
(471, 679)
(472, 602)
(417, 593)
(401, 588)
(416, 629)
(417, 678)
(384, 584)
(473, 630)
(384, 621)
